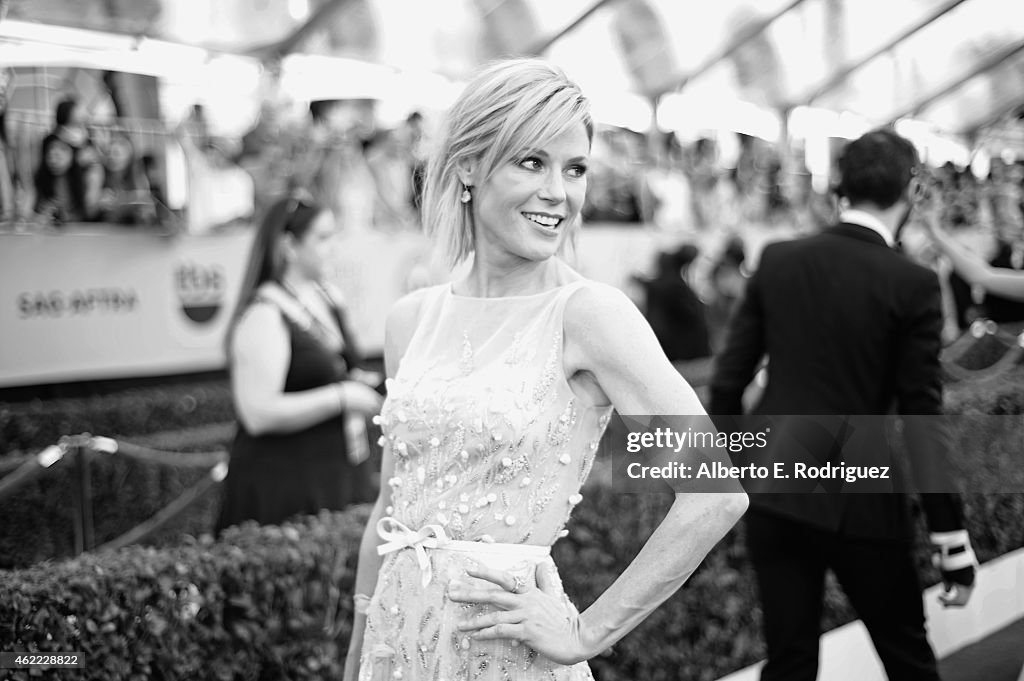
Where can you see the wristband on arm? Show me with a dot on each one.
(952, 551)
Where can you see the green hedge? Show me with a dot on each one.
(274, 603)
(1002, 395)
(262, 603)
(260, 592)
(39, 517)
(30, 426)
(704, 631)
(269, 603)
(982, 353)
(38, 520)
(995, 521)
(712, 626)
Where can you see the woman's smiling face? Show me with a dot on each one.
(525, 210)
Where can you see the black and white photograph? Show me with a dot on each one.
(511, 340)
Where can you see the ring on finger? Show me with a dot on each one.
(518, 584)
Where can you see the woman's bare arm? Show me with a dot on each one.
(261, 352)
(610, 349)
(977, 272)
(609, 338)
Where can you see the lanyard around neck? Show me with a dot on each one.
(312, 321)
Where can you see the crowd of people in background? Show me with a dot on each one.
(982, 219)
(81, 173)
(370, 177)
(299, 386)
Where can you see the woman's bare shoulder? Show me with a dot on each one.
(260, 314)
(406, 310)
(260, 326)
(602, 325)
(401, 323)
(595, 304)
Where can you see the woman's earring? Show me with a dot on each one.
(466, 197)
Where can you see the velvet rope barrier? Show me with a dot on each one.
(32, 467)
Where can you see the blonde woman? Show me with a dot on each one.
(501, 384)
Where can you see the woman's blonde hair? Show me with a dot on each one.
(509, 107)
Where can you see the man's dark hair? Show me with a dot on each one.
(876, 168)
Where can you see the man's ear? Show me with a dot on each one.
(917, 191)
(466, 170)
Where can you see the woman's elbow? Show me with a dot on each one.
(732, 506)
(255, 421)
(255, 427)
(741, 502)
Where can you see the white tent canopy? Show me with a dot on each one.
(953, 63)
(957, 65)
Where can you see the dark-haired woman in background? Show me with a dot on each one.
(60, 193)
(126, 197)
(290, 359)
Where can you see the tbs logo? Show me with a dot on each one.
(201, 290)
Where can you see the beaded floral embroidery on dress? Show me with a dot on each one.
(490, 444)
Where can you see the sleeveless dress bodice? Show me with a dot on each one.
(488, 439)
(491, 445)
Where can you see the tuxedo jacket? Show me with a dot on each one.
(848, 326)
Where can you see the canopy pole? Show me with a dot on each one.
(295, 38)
(725, 52)
(833, 81)
(992, 119)
(986, 65)
(784, 148)
(544, 44)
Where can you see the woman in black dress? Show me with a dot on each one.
(291, 376)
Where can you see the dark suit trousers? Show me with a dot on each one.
(879, 578)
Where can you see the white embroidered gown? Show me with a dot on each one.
(490, 444)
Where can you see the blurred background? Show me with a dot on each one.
(718, 128)
(141, 141)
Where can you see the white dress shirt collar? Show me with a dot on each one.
(865, 219)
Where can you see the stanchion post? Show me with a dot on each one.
(81, 491)
(76, 499)
(85, 486)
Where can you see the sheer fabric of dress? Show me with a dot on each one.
(491, 446)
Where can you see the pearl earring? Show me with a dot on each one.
(466, 197)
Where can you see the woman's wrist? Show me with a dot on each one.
(339, 395)
(587, 639)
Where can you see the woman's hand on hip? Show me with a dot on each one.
(536, 616)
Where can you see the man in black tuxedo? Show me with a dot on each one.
(849, 327)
